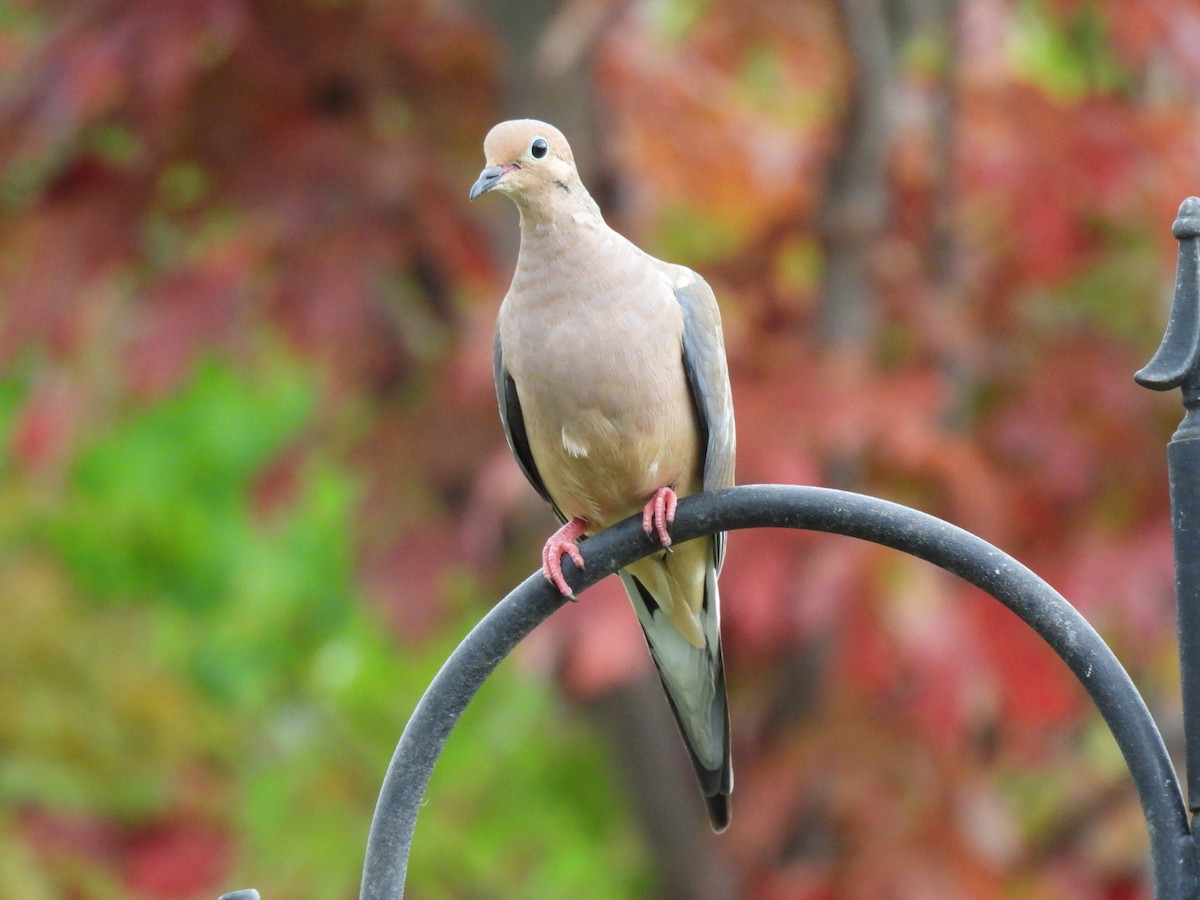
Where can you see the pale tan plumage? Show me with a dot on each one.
(611, 377)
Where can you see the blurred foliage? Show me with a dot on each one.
(253, 490)
(172, 652)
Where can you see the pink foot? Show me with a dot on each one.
(659, 513)
(563, 541)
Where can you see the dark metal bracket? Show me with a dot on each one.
(1173, 852)
(1177, 365)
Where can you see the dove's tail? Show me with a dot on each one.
(694, 680)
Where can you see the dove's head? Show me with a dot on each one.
(530, 161)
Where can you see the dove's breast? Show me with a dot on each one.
(596, 353)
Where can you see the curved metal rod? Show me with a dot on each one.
(817, 509)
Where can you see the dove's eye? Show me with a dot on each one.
(539, 148)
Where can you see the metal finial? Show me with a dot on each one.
(1175, 363)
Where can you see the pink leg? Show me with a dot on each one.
(659, 513)
(563, 541)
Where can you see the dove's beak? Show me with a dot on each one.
(488, 179)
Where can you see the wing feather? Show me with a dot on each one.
(708, 379)
(513, 421)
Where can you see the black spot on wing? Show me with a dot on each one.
(647, 598)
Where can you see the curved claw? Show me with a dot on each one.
(659, 513)
(562, 541)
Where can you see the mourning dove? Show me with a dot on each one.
(614, 396)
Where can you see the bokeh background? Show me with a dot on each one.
(253, 487)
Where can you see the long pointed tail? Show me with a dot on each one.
(694, 680)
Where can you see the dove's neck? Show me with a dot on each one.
(569, 251)
(561, 232)
(558, 209)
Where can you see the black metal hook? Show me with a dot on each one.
(817, 509)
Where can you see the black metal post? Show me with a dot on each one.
(1177, 365)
